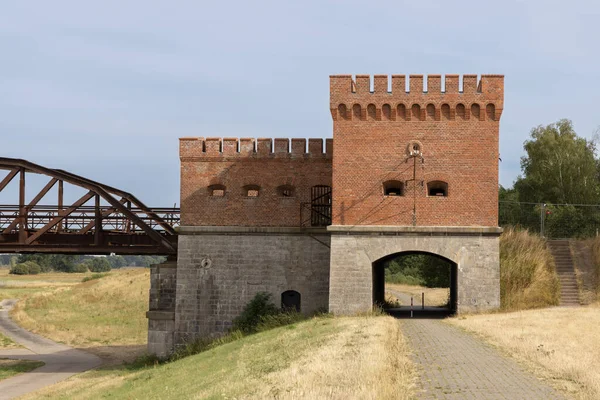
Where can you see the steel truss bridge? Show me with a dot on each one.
(104, 220)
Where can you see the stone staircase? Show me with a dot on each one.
(569, 292)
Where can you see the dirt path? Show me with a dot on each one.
(456, 365)
(61, 361)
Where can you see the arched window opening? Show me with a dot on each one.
(437, 188)
(490, 110)
(460, 111)
(291, 301)
(251, 191)
(401, 112)
(445, 111)
(286, 191)
(475, 111)
(342, 111)
(356, 111)
(386, 111)
(416, 112)
(430, 111)
(372, 112)
(216, 190)
(393, 188)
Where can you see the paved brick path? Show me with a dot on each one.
(456, 365)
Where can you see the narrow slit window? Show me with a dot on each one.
(393, 188)
(437, 189)
(216, 190)
(251, 191)
(285, 191)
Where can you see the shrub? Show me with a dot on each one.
(260, 306)
(98, 264)
(80, 268)
(93, 277)
(26, 268)
(527, 275)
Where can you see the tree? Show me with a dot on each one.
(98, 264)
(559, 167)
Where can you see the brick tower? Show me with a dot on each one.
(415, 171)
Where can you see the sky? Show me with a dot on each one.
(105, 89)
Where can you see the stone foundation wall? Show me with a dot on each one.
(354, 250)
(161, 317)
(220, 269)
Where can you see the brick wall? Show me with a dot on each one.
(458, 134)
(237, 164)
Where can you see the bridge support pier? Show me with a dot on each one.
(161, 316)
(356, 250)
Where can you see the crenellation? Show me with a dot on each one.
(315, 146)
(380, 84)
(398, 84)
(230, 146)
(451, 83)
(363, 84)
(298, 146)
(434, 83)
(191, 148)
(282, 145)
(469, 84)
(415, 83)
(264, 146)
(352, 100)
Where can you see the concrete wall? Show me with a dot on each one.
(220, 269)
(355, 249)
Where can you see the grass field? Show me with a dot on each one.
(10, 368)
(558, 344)
(334, 358)
(106, 316)
(434, 297)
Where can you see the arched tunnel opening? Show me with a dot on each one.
(428, 279)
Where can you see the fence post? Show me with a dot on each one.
(542, 218)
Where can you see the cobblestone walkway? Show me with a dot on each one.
(456, 365)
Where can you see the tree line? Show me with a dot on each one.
(559, 185)
(36, 263)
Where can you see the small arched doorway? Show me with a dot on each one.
(290, 300)
(415, 273)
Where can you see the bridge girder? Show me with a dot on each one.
(125, 226)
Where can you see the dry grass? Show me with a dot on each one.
(333, 358)
(558, 344)
(586, 259)
(527, 274)
(96, 314)
(434, 297)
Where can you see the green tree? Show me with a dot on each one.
(98, 264)
(560, 167)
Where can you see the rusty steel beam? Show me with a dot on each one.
(146, 223)
(61, 215)
(9, 177)
(105, 214)
(32, 203)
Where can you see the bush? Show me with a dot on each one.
(93, 277)
(79, 268)
(98, 264)
(260, 306)
(527, 275)
(26, 268)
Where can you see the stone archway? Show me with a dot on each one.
(474, 251)
(378, 272)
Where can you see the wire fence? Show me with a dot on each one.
(555, 221)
